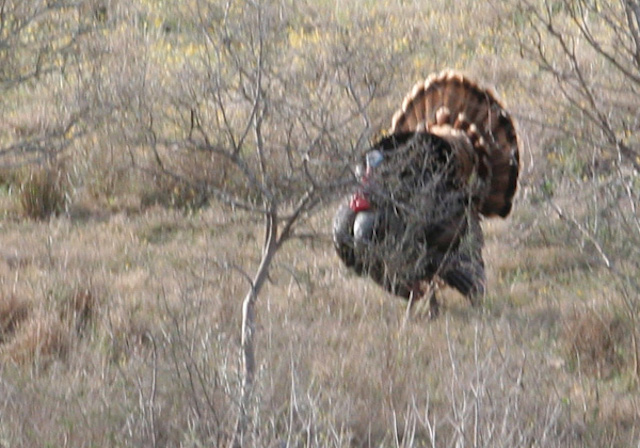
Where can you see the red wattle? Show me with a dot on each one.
(359, 203)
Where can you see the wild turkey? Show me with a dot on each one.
(451, 158)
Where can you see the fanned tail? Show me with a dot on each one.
(477, 126)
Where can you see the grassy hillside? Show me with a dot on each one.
(128, 235)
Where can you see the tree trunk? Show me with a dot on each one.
(249, 331)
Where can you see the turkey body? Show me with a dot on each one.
(450, 159)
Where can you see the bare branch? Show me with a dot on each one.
(632, 11)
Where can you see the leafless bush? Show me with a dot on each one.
(39, 44)
(590, 52)
(282, 137)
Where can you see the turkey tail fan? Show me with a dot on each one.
(478, 127)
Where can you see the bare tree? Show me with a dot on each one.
(269, 132)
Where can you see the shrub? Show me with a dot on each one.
(44, 192)
(592, 342)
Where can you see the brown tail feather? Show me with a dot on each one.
(475, 122)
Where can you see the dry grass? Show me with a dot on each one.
(12, 312)
(43, 192)
(593, 342)
(39, 340)
(340, 365)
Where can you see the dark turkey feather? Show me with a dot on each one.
(451, 157)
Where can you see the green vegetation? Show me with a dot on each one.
(153, 153)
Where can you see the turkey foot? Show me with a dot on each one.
(434, 306)
(417, 293)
